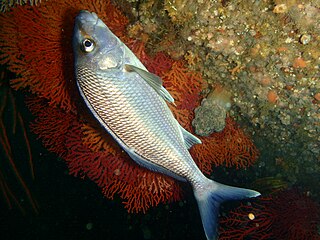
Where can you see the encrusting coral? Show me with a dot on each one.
(266, 53)
(44, 66)
(210, 116)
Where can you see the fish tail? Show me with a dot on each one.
(209, 196)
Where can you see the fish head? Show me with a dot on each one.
(94, 45)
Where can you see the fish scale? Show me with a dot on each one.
(127, 119)
(129, 103)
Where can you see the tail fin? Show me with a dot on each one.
(209, 198)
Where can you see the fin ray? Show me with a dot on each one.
(153, 80)
(189, 138)
(209, 199)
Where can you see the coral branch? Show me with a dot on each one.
(231, 147)
(26, 140)
(51, 125)
(286, 214)
(33, 35)
(8, 148)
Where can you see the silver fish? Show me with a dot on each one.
(130, 104)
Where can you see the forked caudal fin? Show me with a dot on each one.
(209, 196)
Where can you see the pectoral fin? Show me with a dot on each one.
(153, 80)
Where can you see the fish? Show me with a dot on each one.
(131, 104)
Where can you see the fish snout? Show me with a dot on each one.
(85, 16)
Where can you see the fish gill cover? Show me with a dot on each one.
(36, 45)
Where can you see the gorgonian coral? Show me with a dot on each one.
(288, 214)
(36, 45)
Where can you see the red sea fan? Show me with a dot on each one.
(296, 216)
(50, 125)
(109, 168)
(160, 64)
(285, 215)
(36, 44)
(185, 84)
(247, 222)
(230, 147)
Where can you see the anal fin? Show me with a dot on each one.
(189, 138)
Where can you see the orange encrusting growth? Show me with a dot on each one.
(44, 64)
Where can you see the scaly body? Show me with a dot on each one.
(139, 118)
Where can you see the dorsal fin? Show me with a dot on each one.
(189, 138)
(153, 80)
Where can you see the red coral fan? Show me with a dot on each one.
(247, 222)
(33, 35)
(115, 172)
(160, 64)
(50, 125)
(295, 215)
(286, 215)
(230, 147)
(110, 169)
(185, 84)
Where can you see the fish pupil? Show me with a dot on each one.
(88, 45)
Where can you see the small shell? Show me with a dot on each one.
(305, 39)
(280, 8)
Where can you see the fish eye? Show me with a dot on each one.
(88, 45)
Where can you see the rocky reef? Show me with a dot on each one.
(266, 54)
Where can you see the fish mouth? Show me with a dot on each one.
(87, 22)
(85, 16)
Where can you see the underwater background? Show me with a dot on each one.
(245, 76)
